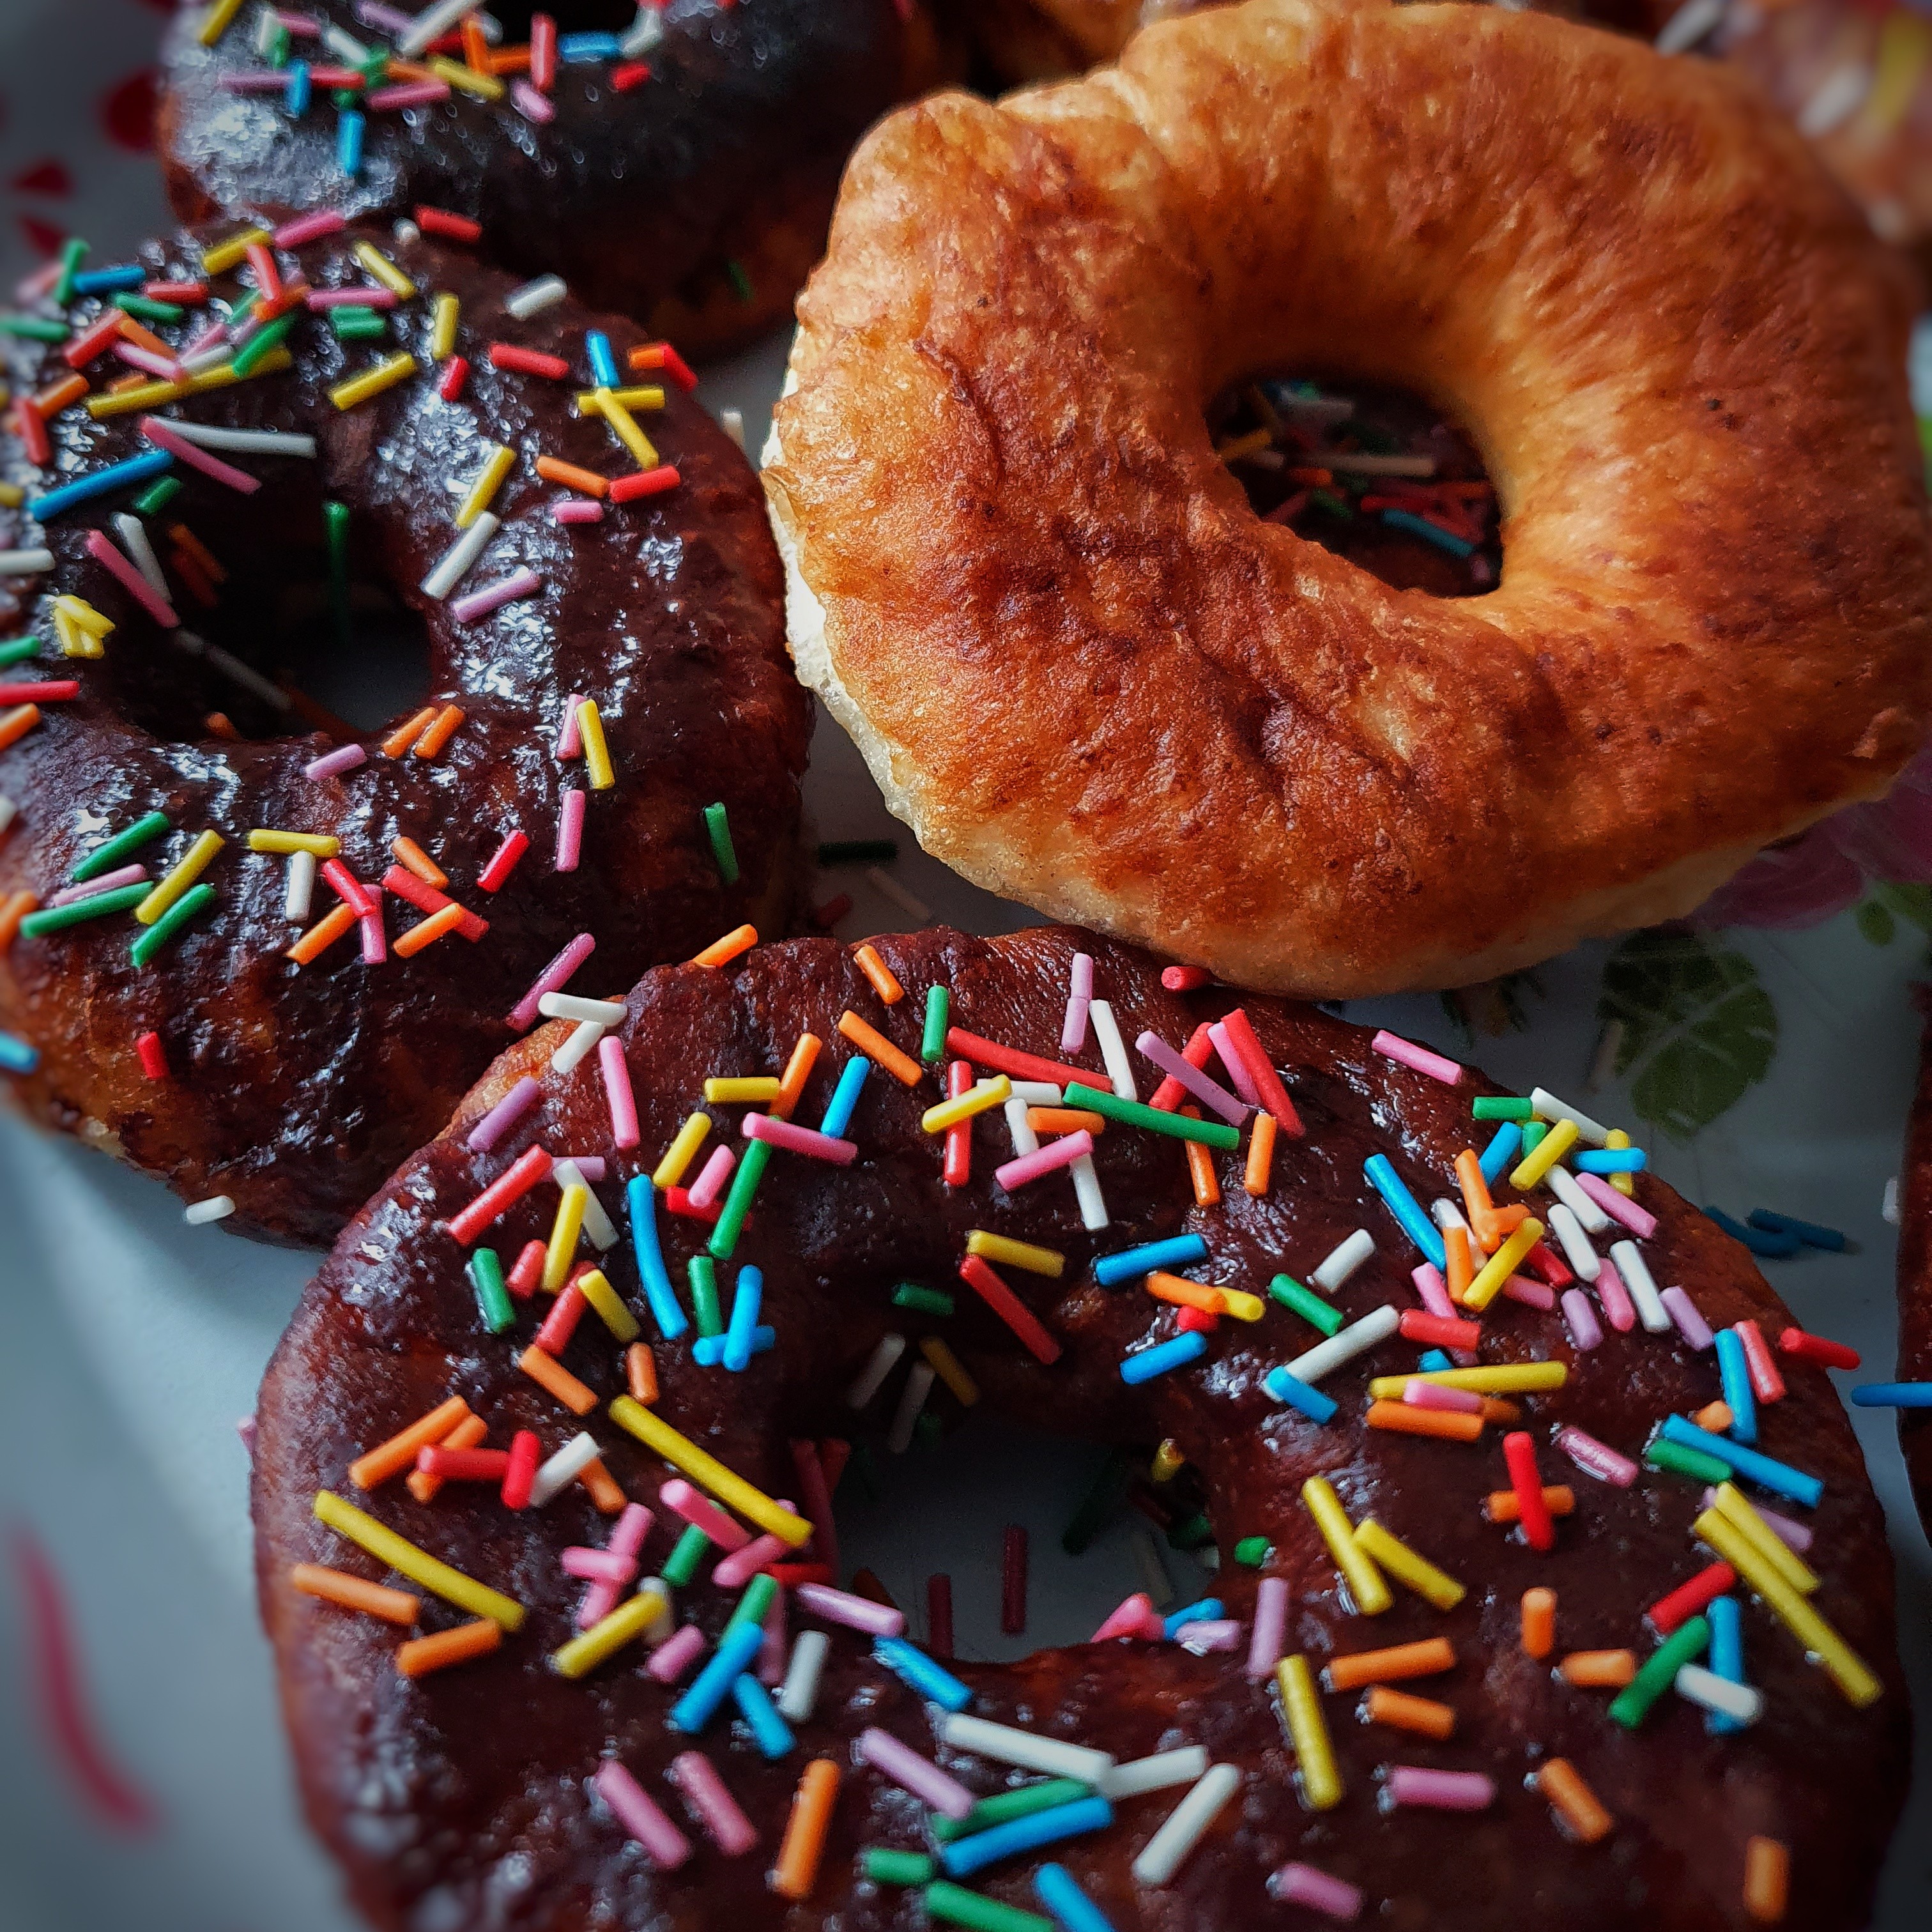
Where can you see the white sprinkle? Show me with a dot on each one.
(9, 811)
(872, 1377)
(1345, 1344)
(1563, 1184)
(25, 562)
(252, 441)
(234, 670)
(1160, 1772)
(1643, 1285)
(1162, 1855)
(643, 34)
(1889, 1207)
(912, 1399)
(1446, 1215)
(533, 298)
(134, 540)
(431, 24)
(598, 1227)
(1038, 1094)
(1689, 25)
(1152, 1565)
(453, 566)
(1839, 97)
(1342, 1261)
(732, 421)
(1024, 1140)
(298, 896)
(266, 28)
(1743, 1701)
(1086, 1192)
(1113, 1049)
(1575, 1243)
(406, 232)
(556, 1475)
(1549, 1108)
(1007, 1745)
(346, 48)
(916, 910)
(216, 1207)
(569, 1006)
(795, 1701)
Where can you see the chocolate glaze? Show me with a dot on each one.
(463, 1799)
(1915, 1282)
(296, 1091)
(730, 151)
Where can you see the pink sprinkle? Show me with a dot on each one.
(1061, 1152)
(1237, 1068)
(683, 1502)
(675, 1655)
(479, 604)
(498, 1121)
(357, 297)
(771, 1652)
(530, 104)
(1585, 1331)
(796, 1139)
(1208, 1090)
(1421, 1394)
(1619, 1207)
(1419, 1058)
(590, 1166)
(817, 1494)
(385, 19)
(254, 83)
(408, 94)
(570, 830)
(135, 357)
(137, 585)
(375, 942)
(1073, 1028)
(598, 1601)
(1434, 1291)
(1440, 1790)
(551, 980)
(1211, 1633)
(576, 510)
(163, 436)
(1596, 1458)
(570, 733)
(1797, 1535)
(598, 1566)
(1270, 1620)
(858, 1613)
(333, 764)
(108, 882)
(213, 336)
(30, 288)
(1683, 1311)
(633, 1526)
(1298, 1884)
(1531, 1294)
(734, 1571)
(1616, 1297)
(1080, 976)
(729, 1829)
(617, 1092)
(309, 228)
(639, 1816)
(710, 1184)
(920, 1775)
(1132, 1619)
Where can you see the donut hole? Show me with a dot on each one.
(1375, 474)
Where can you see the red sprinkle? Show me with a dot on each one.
(495, 875)
(1195, 1321)
(1549, 1265)
(95, 340)
(33, 433)
(826, 916)
(176, 292)
(1767, 1384)
(662, 355)
(349, 888)
(521, 1474)
(455, 373)
(1184, 979)
(1439, 1331)
(522, 1279)
(50, 692)
(1815, 1348)
(645, 483)
(528, 362)
(939, 1614)
(153, 1056)
(1013, 1580)
(441, 221)
(462, 1465)
(1539, 1530)
(560, 1324)
(543, 52)
(404, 884)
(1688, 1599)
(1008, 1307)
(267, 276)
(1267, 1082)
(793, 1574)
(628, 74)
(679, 1201)
(1008, 1059)
(959, 1139)
(509, 1187)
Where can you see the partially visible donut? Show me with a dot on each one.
(1092, 679)
(467, 1797)
(678, 164)
(289, 1090)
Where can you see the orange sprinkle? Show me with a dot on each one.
(1578, 1806)
(409, 854)
(444, 727)
(219, 724)
(195, 548)
(1477, 1202)
(15, 724)
(135, 378)
(406, 733)
(1185, 1294)
(1539, 1622)
(875, 969)
(804, 1830)
(57, 396)
(1381, 1666)
(1451, 1425)
(392, 1457)
(798, 1071)
(426, 932)
(1422, 1715)
(510, 60)
(321, 936)
(202, 591)
(544, 1369)
(1498, 1223)
(1461, 1269)
(476, 48)
(355, 1593)
(1261, 1155)
(1598, 1669)
(1767, 1879)
(874, 1045)
(1501, 1505)
(1201, 1167)
(1715, 1418)
(722, 952)
(1315, 478)
(554, 470)
(641, 1373)
(14, 908)
(605, 1492)
(1495, 1409)
(468, 1434)
(1065, 1120)
(131, 330)
(422, 1655)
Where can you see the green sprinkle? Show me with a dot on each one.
(353, 323)
(738, 1203)
(72, 254)
(718, 827)
(102, 905)
(1533, 1131)
(1191, 1533)
(261, 344)
(280, 42)
(1103, 1497)
(701, 1271)
(1501, 1107)
(858, 852)
(168, 928)
(122, 847)
(681, 1565)
(157, 496)
(344, 97)
(1328, 500)
(1005, 1806)
(1659, 1672)
(239, 309)
(18, 650)
(927, 1300)
(147, 309)
(756, 1601)
(932, 1044)
(1306, 1303)
(1252, 1551)
(1682, 1461)
(741, 283)
(889, 1868)
(976, 1911)
(493, 1298)
(1134, 1114)
(335, 531)
(33, 329)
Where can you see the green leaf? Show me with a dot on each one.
(1877, 924)
(1913, 903)
(1699, 1031)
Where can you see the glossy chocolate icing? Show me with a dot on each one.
(464, 1799)
(295, 1090)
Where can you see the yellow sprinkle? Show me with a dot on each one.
(708, 1473)
(1501, 1265)
(625, 425)
(682, 1150)
(1357, 1568)
(1624, 1183)
(1904, 42)
(648, 397)
(496, 466)
(1252, 444)
(601, 1296)
(1301, 1705)
(977, 1100)
(193, 862)
(11, 496)
(596, 749)
(384, 271)
(224, 255)
(466, 79)
(1406, 1565)
(83, 615)
(1842, 1665)
(1049, 1261)
(563, 1234)
(372, 381)
(322, 844)
(1244, 1307)
(418, 1565)
(1505, 1378)
(950, 1370)
(217, 21)
(1732, 1502)
(1169, 1461)
(749, 1089)
(629, 1621)
(74, 642)
(443, 312)
(1548, 1151)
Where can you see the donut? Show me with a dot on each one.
(1914, 1294)
(1045, 40)
(676, 163)
(405, 429)
(483, 1792)
(1092, 679)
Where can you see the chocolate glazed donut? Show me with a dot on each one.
(291, 1089)
(695, 198)
(466, 1797)
(1915, 1283)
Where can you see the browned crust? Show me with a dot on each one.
(1092, 679)
(1915, 1283)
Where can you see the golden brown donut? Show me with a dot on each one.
(1091, 678)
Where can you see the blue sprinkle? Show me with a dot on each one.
(737, 1650)
(1780, 1478)
(296, 99)
(1735, 1373)
(1893, 1395)
(1435, 1359)
(348, 142)
(1299, 1394)
(962, 1856)
(17, 1055)
(769, 1732)
(578, 49)
(1501, 1152)
(708, 1351)
(1760, 1241)
(1406, 1209)
(1207, 1611)
(911, 1665)
(745, 1306)
(1726, 1659)
(845, 1097)
(102, 483)
(110, 281)
(1162, 1358)
(603, 361)
(1421, 526)
(1609, 1160)
(1060, 1892)
(1181, 1252)
(1809, 1232)
(665, 1311)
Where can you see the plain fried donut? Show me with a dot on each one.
(1089, 676)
